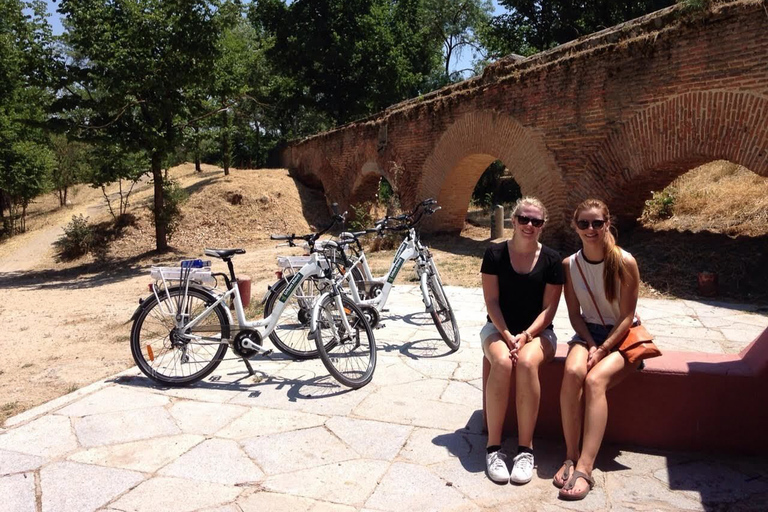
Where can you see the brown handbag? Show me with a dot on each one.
(637, 344)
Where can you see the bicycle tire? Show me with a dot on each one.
(351, 360)
(442, 314)
(164, 358)
(290, 335)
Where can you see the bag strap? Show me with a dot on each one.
(576, 259)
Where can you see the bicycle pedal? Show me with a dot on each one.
(267, 352)
(380, 326)
(385, 310)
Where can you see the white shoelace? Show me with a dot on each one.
(525, 462)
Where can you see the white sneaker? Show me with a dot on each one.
(496, 466)
(522, 468)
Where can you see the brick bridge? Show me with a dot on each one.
(613, 115)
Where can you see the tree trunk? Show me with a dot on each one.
(198, 168)
(161, 235)
(225, 141)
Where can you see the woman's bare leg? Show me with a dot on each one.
(571, 404)
(528, 387)
(604, 375)
(497, 386)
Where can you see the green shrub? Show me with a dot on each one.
(361, 216)
(661, 205)
(77, 240)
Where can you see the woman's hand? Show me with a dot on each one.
(515, 343)
(596, 354)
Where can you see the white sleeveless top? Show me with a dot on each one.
(594, 274)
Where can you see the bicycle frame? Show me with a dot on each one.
(410, 249)
(264, 326)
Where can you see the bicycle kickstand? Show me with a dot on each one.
(250, 368)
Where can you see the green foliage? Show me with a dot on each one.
(495, 188)
(531, 26)
(661, 205)
(385, 194)
(26, 67)
(77, 240)
(171, 215)
(349, 58)
(138, 67)
(361, 216)
(458, 24)
(695, 5)
(71, 164)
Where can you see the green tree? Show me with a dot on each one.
(536, 25)
(26, 70)
(110, 163)
(458, 24)
(348, 58)
(71, 164)
(139, 63)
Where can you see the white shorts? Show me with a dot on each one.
(547, 335)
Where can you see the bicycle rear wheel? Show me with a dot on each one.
(164, 353)
(349, 356)
(442, 314)
(290, 335)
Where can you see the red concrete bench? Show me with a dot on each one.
(680, 401)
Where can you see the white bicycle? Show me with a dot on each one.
(371, 293)
(181, 332)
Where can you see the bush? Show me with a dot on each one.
(661, 206)
(361, 216)
(77, 240)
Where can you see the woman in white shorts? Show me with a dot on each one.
(522, 282)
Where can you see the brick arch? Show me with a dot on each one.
(465, 150)
(668, 139)
(366, 186)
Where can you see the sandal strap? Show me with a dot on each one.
(567, 471)
(575, 477)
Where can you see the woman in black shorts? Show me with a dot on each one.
(522, 281)
(593, 365)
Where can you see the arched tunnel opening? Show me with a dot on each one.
(496, 186)
(708, 223)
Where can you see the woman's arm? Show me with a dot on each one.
(548, 309)
(628, 291)
(491, 295)
(574, 309)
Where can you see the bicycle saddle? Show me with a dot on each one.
(223, 253)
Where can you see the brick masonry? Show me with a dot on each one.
(613, 115)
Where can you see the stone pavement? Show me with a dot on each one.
(292, 439)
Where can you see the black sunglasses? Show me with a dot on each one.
(584, 224)
(522, 219)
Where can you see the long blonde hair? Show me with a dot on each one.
(614, 261)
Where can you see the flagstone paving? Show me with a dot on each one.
(291, 439)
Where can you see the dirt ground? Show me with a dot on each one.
(67, 324)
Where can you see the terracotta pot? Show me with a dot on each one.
(707, 284)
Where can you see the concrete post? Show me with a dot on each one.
(497, 222)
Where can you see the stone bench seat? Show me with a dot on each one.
(680, 401)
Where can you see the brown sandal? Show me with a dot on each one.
(566, 475)
(572, 482)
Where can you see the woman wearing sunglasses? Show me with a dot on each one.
(522, 281)
(601, 289)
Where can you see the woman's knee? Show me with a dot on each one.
(574, 373)
(500, 363)
(595, 383)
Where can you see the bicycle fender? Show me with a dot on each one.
(316, 313)
(142, 305)
(425, 291)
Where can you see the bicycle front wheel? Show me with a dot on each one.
(350, 356)
(173, 356)
(442, 314)
(291, 334)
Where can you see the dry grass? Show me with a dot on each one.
(720, 197)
